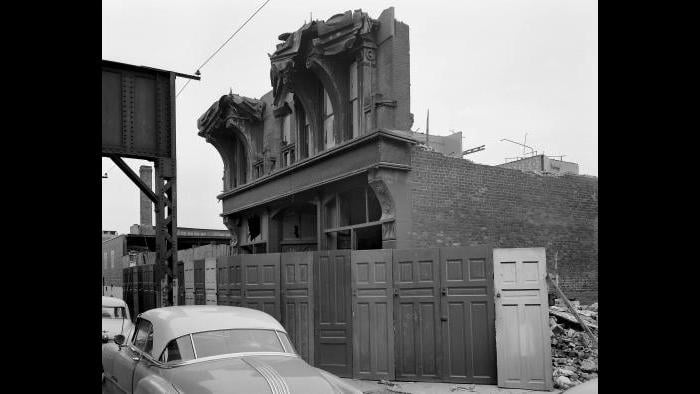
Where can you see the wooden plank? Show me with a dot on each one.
(573, 311)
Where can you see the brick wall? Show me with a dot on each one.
(112, 266)
(459, 203)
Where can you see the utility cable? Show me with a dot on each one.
(222, 46)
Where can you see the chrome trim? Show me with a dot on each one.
(280, 339)
(273, 378)
(287, 352)
(283, 343)
(194, 350)
(144, 355)
(225, 356)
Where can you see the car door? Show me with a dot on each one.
(127, 358)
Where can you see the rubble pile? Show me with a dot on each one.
(574, 355)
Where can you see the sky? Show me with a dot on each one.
(491, 69)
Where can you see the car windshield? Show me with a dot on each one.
(113, 312)
(214, 343)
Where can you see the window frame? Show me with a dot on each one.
(333, 230)
(281, 343)
(354, 100)
(326, 103)
(180, 361)
(137, 329)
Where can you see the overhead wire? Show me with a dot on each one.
(107, 172)
(222, 46)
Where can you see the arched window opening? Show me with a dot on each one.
(352, 220)
(240, 162)
(250, 235)
(328, 118)
(234, 155)
(303, 126)
(288, 142)
(354, 101)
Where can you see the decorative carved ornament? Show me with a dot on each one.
(388, 231)
(339, 34)
(384, 197)
(230, 107)
(232, 227)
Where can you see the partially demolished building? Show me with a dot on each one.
(326, 160)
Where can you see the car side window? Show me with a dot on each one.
(143, 338)
(179, 349)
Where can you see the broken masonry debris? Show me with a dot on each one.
(574, 353)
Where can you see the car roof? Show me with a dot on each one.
(175, 321)
(112, 301)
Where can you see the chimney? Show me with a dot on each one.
(146, 175)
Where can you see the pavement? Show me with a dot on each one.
(374, 387)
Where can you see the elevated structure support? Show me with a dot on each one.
(138, 122)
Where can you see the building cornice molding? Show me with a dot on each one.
(328, 154)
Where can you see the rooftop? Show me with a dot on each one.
(175, 321)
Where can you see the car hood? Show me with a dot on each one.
(255, 374)
(114, 327)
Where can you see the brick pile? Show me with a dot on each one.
(574, 355)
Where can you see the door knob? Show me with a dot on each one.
(498, 295)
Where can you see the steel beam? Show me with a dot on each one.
(136, 179)
(474, 150)
(156, 143)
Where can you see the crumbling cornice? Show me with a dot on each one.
(341, 33)
(230, 108)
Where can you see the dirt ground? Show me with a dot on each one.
(372, 387)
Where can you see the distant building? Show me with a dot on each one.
(139, 246)
(107, 234)
(127, 250)
(542, 164)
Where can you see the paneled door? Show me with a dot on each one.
(522, 328)
(373, 314)
(333, 312)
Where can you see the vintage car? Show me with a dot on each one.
(115, 318)
(211, 349)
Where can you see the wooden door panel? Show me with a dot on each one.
(467, 315)
(261, 282)
(522, 329)
(298, 301)
(189, 282)
(222, 280)
(235, 279)
(417, 314)
(199, 280)
(373, 317)
(333, 314)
